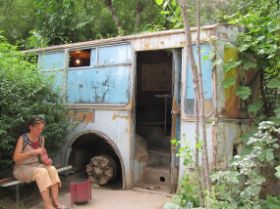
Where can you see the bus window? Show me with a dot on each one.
(79, 58)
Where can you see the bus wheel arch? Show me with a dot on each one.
(85, 145)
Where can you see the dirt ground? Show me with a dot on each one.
(102, 198)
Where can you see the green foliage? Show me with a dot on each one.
(259, 49)
(271, 203)
(243, 92)
(187, 196)
(65, 21)
(17, 19)
(24, 92)
(255, 107)
(239, 187)
(171, 14)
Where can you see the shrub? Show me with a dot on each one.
(24, 92)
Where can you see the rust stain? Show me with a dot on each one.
(147, 46)
(116, 115)
(81, 116)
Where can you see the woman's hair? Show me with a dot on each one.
(34, 120)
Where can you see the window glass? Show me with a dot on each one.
(79, 58)
(206, 68)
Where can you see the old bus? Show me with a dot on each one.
(128, 96)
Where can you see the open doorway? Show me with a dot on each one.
(154, 98)
(153, 115)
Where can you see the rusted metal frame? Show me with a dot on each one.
(99, 66)
(65, 86)
(220, 119)
(175, 113)
(132, 106)
(100, 106)
(115, 40)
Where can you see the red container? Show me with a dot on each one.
(80, 191)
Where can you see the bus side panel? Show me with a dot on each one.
(108, 85)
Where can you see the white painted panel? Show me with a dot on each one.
(115, 126)
(188, 138)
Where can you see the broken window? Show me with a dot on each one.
(79, 58)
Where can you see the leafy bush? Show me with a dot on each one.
(271, 202)
(187, 196)
(24, 92)
(240, 187)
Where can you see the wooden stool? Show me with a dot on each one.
(80, 191)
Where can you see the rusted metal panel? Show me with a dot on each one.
(114, 127)
(108, 81)
(221, 136)
(171, 39)
(51, 61)
(206, 68)
(228, 133)
(187, 138)
(108, 85)
(115, 54)
(81, 116)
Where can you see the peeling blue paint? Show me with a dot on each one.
(120, 54)
(206, 68)
(99, 85)
(51, 61)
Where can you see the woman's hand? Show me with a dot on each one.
(38, 151)
(45, 158)
(49, 161)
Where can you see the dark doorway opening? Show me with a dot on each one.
(154, 98)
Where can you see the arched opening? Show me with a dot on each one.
(90, 146)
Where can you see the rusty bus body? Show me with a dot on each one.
(129, 95)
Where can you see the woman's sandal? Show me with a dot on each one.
(61, 207)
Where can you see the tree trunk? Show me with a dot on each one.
(138, 10)
(199, 103)
(205, 160)
(109, 5)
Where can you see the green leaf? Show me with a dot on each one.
(277, 112)
(174, 3)
(248, 64)
(243, 47)
(199, 145)
(243, 92)
(274, 83)
(159, 2)
(231, 64)
(269, 155)
(255, 107)
(229, 82)
(174, 141)
(277, 174)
